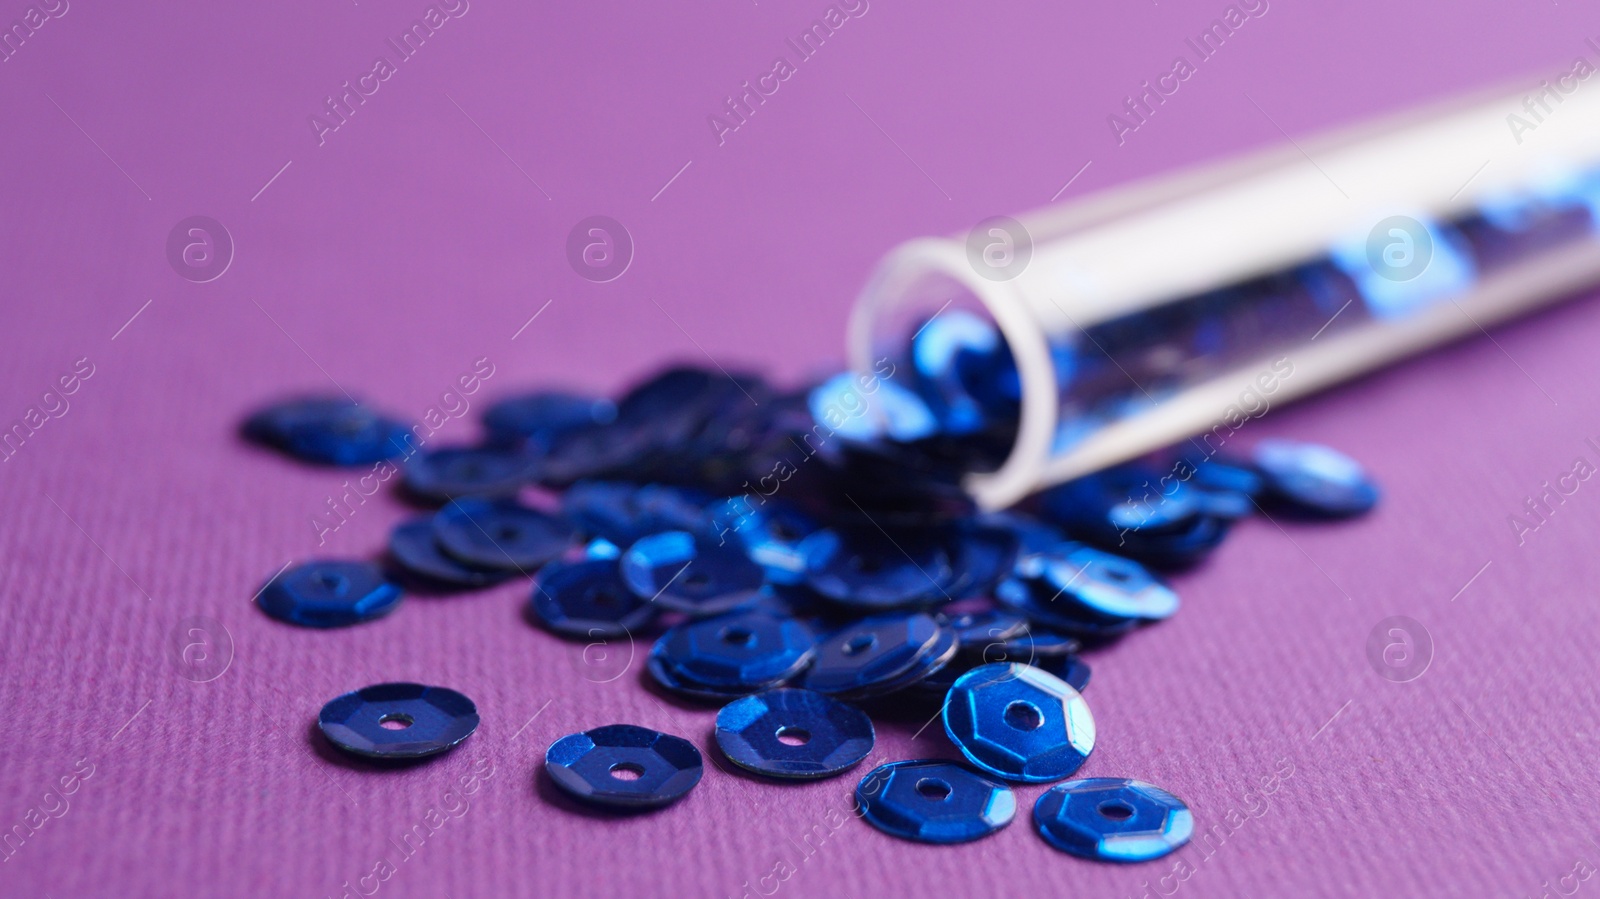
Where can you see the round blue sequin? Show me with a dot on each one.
(587, 598)
(501, 535)
(398, 721)
(1058, 610)
(793, 734)
(733, 654)
(456, 472)
(874, 652)
(934, 659)
(417, 554)
(329, 431)
(1107, 585)
(329, 594)
(624, 766)
(873, 571)
(691, 575)
(1113, 819)
(538, 420)
(1018, 722)
(933, 801)
(1314, 480)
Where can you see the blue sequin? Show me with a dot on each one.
(1314, 480)
(1019, 722)
(692, 575)
(455, 472)
(538, 420)
(588, 598)
(1105, 584)
(329, 594)
(794, 734)
(624, 766)
(329, 431)
(877, 655)
(501, 535)
(398, 721)
(732, 655)
(933, 801)
(1058, 610)
(1113, 819)
(414, 550)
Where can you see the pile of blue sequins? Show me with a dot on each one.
(806, 561)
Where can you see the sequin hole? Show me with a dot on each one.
(793, 736)
(1024, 715)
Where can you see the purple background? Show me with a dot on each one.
(416, 241)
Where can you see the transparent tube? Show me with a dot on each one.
(1165, 310)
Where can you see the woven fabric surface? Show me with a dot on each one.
(386, 248)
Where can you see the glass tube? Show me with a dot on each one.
(1166, 310)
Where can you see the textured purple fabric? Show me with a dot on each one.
(426, 231)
